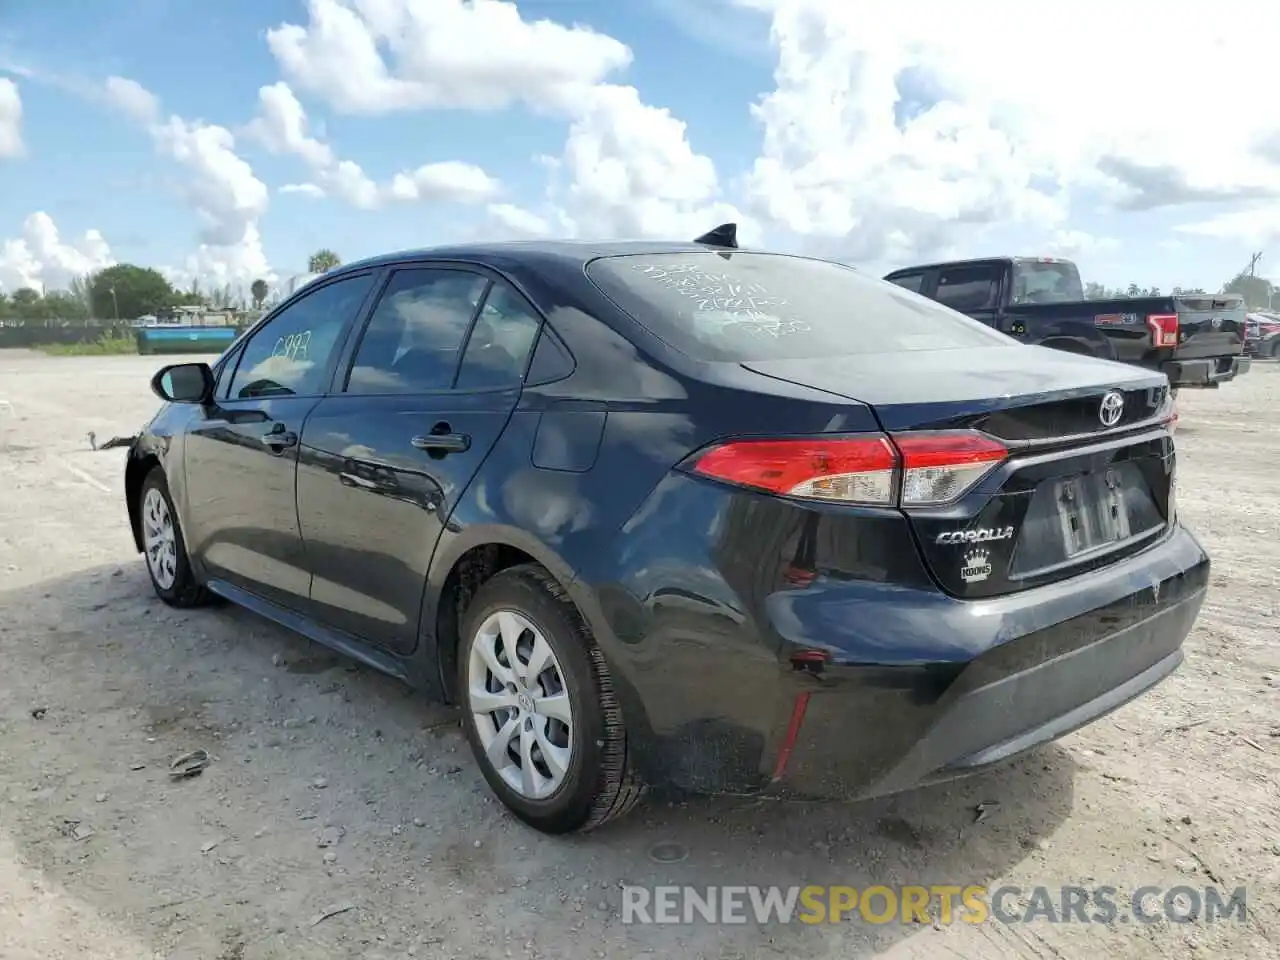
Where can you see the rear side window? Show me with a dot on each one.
(498, 349)
(969, 287)
(740, 307)
(909, 281)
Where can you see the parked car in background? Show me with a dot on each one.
(1197, 340)
(1263, 335)
(680, 514)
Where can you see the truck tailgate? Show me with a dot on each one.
(1209, 326)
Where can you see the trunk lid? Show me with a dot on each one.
(1079, 490)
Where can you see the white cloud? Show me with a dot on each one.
(1008, 119)
(304, 189)
(235, 264)
(133, 99)
(1074, 244)
(469, 54)
(1256, 226)
(448, 180)
(222, 188)
(281, 126)
(516, 221)
(628, 168)
(41, 260)
(10, 120)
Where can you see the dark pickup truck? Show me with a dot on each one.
(1197, 340)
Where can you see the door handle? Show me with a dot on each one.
(278, 440)
(358, 482)
(443, 442)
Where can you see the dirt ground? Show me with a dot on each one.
(332, 786)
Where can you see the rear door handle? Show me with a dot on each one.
(443, 442)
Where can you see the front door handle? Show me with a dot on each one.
(443, 442)
(278, 440)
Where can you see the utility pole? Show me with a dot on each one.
(1253, 263)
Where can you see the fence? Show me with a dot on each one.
(31, 335)
(41, 335)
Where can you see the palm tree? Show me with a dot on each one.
(258, 290)
(322, 261)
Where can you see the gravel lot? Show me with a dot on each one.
(333, 786)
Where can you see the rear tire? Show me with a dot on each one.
(164, 547)
(539, 707)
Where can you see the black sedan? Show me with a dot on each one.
(680, 514)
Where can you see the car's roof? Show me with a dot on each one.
(569, 252)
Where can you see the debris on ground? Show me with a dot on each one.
(190, 764)
(331, 911)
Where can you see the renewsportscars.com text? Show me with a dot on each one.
(941, 903)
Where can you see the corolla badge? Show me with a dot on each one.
(976, 535)
(1112, 408)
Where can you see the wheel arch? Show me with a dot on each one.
(140, 464)
(458, 569)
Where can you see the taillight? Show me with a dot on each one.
(914, 469)
(848, 469)
(939, 467)
(1164, 329)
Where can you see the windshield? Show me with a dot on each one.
(1057, 281)
(741, 307)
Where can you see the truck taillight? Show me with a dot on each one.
(915, 469)
(1164, 329)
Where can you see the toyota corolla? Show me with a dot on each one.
(680, 514)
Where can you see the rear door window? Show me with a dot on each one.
(969, 287)
(741, 307)
(416, 332)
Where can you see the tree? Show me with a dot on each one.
(1257, 292)
(60, 305)
(259, 291)
(322, 261)
(25, 298)
(126, 291)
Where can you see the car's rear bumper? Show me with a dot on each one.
(1205, 372)
(956, 685)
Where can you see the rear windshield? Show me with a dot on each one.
(1057, 281)
(740, 307)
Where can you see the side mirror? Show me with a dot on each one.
(184, 383)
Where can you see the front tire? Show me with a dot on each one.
(539, 706)
(163, 545)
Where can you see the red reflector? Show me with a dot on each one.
(1164, 329)
(852, 469)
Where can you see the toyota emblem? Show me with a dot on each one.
(1112, 408)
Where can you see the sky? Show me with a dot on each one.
(227, 141)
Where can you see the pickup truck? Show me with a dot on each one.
(1197, 340)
